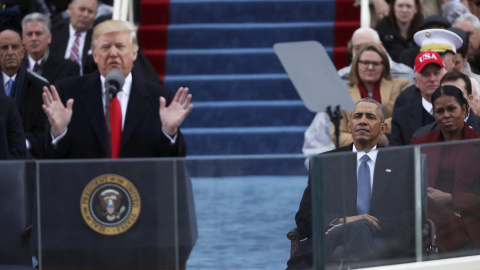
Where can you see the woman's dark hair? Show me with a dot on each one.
(450, 90)
(416, 20)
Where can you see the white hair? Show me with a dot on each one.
(369, 30)
(416, 73)
(469, 17)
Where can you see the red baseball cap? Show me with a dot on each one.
(426, 58)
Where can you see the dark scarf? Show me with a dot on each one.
(376, 92)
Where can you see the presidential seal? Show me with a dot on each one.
(110, 204)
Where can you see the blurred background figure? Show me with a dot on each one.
(24, 87)
(462, 82)
(452, 10)
(475, 101)
(370, 77)
(397, 29)
(461, 57)
(471, 25)
(407, 56)
(453, 183)
(366, 34)
(37, 37)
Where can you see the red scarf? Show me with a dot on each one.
(376, 92)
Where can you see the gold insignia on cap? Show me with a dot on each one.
(435, 47)
(427, 34)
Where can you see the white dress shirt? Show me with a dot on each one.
(123, 96)
(31, 62)
(81, 45)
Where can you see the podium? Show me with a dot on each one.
(114, 214)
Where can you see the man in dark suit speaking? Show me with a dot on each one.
(367, 197)
(145, 117)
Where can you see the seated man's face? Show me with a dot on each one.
(365, 124)
(473, 35)
(428, 80)
(113, 51)
(11, 52)
(36, 39)
(82, 14)
(360, 39)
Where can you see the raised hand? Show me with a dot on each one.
(173, 115)
(58, 115)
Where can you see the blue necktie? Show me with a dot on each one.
(10, 83)
(363, 186)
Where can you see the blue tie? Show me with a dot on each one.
(10, 83)
(363, 186)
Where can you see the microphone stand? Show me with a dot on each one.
(110, 93)
(335, 118)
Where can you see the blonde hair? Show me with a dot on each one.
(111, 26)
(369, 46)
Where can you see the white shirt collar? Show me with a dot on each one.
(427, 106)
(31, 62)
(127, 85)
(72, 32)
(372, 154)
(6, 78)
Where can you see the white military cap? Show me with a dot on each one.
(437, 40)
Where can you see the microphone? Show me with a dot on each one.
(113, 83)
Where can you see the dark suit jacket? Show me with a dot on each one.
(391, 202)
(142, 134)
(408, 96)
(473, 121)
(405, 121)
(31, 112)
(12, 138)
(58, 46)
(55, 69)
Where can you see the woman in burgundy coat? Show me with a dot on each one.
(453, 173)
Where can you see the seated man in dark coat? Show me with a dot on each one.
(12, 138)
(463, 82)
(38, 59)
(367, 197)
(24, 87)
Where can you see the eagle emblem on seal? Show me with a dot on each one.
(110, 203)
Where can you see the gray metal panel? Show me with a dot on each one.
(313, 75)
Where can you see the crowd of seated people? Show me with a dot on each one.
(41, 46)
(48, 110)
(440, 106)
(44, 113)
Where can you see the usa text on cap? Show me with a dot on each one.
(426, 58)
